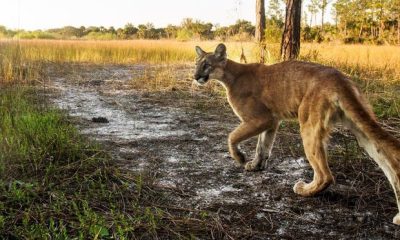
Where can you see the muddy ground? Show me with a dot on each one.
(179, 137)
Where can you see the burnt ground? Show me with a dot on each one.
(179, 138)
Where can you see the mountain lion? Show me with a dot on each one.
(318, 96)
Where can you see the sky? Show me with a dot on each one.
(46, 14)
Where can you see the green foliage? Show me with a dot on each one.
(34, 35)
(6, 33)
(275, 11)
(69, 32)
(312, 34)
(147, 31)
(387, 104)
(273, 33)
(171, 31)
(195, 29)
(28, 135)
(101, 36)
(242, 30)
(129, 29)
(373, 21)
(184, 35)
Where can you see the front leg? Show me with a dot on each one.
(264, 146)
(244, 131)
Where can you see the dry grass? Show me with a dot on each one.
(22, 61)
(385, 58)
(173, 78)
(112, 52)
(371, 59)
(375, 68)
(377, 63)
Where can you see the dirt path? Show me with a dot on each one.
(186, 150)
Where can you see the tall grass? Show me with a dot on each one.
(114, 52)
(15, 67)
(371, 59)
(375, 68)
(24, 54)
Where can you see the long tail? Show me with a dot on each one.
(380, 145)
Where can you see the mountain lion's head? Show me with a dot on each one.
(210, 65)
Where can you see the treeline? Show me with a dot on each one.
(189, 29)
(376, 21)
(355, 21)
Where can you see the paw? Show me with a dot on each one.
(253, 166)
(240, 159)
(299, 188)
(396, 219)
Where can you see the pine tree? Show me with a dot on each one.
(290, 46)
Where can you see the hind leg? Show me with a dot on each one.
(315, 150)
(315, 118)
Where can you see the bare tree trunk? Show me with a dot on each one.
(260, 21)
(381, 28)
(372, 31)
(290, 46)
(398, 29)
(260, 28)
(336, 21)
(324, 4)
(315, 19)
(361, 30)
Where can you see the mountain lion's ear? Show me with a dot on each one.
(220, 52)
(199, 51)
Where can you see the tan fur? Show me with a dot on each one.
(319, 96)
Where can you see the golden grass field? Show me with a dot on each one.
(26, 52)
(375, 68)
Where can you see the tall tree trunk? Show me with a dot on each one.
(381, 28)
(324, 4)
(260, 21)
(315, 19)
(336, 21)
(290, 45)
(398, 29)
(361, 30)
(260, 28)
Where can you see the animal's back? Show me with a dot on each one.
(284, 85)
